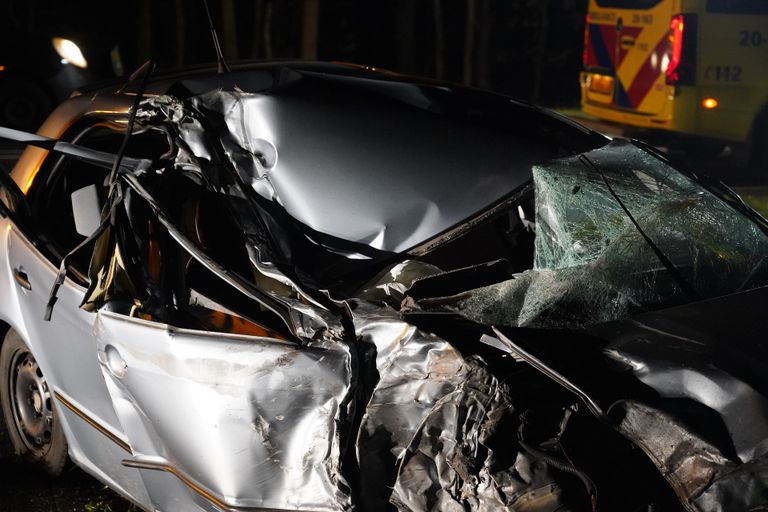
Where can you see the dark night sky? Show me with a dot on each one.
(530, 49)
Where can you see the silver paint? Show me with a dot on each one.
(290, 149)
(254, 421)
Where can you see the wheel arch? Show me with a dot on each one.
(4, 328)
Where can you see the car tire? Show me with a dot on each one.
(28, 408)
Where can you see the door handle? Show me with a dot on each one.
(22, 279)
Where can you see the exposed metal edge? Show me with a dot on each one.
(218, 502)
(471, 222)
(95, 424)
(515, 349)
(181, 331)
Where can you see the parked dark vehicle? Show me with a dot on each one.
(319, 287)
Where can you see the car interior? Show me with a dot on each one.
(66, 185)
(66, 200)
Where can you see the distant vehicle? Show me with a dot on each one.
(695, 68)
(37, 71)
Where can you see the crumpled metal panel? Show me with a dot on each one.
(256, 421)
(448, 464)
(390, 286)
(286, 143)
(423, 441)
(743, 488)
(704, 479)
(689, 463)
(415, 371)
(679, 369)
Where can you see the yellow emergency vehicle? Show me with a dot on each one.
(694, 67)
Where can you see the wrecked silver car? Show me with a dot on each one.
(321, 288)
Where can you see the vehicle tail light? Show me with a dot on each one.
(681, 67)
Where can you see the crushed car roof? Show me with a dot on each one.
(374, 158)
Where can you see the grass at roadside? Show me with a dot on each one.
(758, 202)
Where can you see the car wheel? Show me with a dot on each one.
(28, 408)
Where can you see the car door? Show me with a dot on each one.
(64, 346)
(227, 421)
(223, 406)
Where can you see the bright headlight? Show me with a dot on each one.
(69, 52)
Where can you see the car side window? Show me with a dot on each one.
(175, 287)
(159, 280)
(51, 195)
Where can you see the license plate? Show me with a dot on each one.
(601, 84)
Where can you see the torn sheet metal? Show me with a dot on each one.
(688, 462)
(423, 440)
(391, 285)
(698, 409)
(677, 371)
(450, 465)
(311, 145)
(256, 422)
(415, 371)
(704, 479)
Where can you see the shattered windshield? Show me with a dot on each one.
(592, 264)
(598, 236)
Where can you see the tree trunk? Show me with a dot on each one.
(485, 26)
(405, 17)
(469, 43)
(229, 30)
(541, 50)
(437, 11)
(180, 33)
(144, 26)
(268, 30)
(258, 29)
(310, 20)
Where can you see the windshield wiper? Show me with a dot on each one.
(681, 281)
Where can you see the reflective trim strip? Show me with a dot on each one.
(602, 40)
(629, 32)
(115, 439)
(159, 466)
(647, 74)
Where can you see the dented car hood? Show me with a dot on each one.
(313, 141)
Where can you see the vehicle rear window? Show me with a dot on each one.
(629, 4)
(738, 6)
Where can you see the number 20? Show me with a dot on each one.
(747, 38)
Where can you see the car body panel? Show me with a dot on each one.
(60, 120)
(265, 411)
(66, 351)
(333, 138)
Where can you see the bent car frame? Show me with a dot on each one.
(318, 287)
